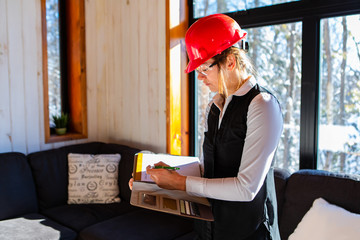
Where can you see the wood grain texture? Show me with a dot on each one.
(127, 39)
(125, 74)
(5, 118)
(16, 75)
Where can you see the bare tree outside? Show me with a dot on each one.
(53, 52)
(339, 133)
(276, 54)
(278, 63)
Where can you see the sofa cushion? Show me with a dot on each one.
(79, 216)
(326, 221)
(93, 178)
(125, 166)
(304, 186)
(17, 190)
(143, 224)
(50, 170)
(31, 225)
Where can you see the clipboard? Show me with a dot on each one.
(147, 194)
(189, 166)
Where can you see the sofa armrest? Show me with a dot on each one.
(304, 186)
(17, 189)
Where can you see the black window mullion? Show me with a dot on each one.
(192, 94)
(191, 12)
(309, 92)
(193, 128)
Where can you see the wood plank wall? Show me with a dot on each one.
(126, 75)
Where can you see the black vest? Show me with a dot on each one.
(222, 150)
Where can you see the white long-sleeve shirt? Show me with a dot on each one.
(264, 128)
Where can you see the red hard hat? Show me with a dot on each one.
(210, 36)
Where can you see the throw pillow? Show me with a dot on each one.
(93, 178)
(325, 221)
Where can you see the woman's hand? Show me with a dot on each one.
(168, 179)
(131, 181)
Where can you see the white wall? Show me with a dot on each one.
(126, 85)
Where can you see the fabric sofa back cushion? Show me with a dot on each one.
(125, 166)
(304, 186)
(50, 170)
(17, 190)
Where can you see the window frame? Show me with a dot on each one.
(309, 12)
(180, 110)
(73, 68)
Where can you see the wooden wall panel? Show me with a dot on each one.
(32, 83)
(16, 74)
(90, 36)
(129, 77)
(101, 51)
(124, 129)
(5, 120)
(129, 59)
(126, 82)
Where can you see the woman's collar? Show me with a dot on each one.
(219, 100)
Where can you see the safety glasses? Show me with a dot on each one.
(203, 68)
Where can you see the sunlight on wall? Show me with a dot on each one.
(177, 82)
(174, 13)
(175, 100)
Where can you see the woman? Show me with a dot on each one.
(244, 124)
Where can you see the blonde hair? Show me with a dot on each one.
(243, 63)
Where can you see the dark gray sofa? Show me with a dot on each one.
(297, 192)
(33, 200)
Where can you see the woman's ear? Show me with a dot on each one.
(230, 62)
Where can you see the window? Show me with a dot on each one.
(202, 99)
(53, 54)
(276, 54)
(204, 8)
(307, 54)
(339, 111)
(177, 90)
(64, 78)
